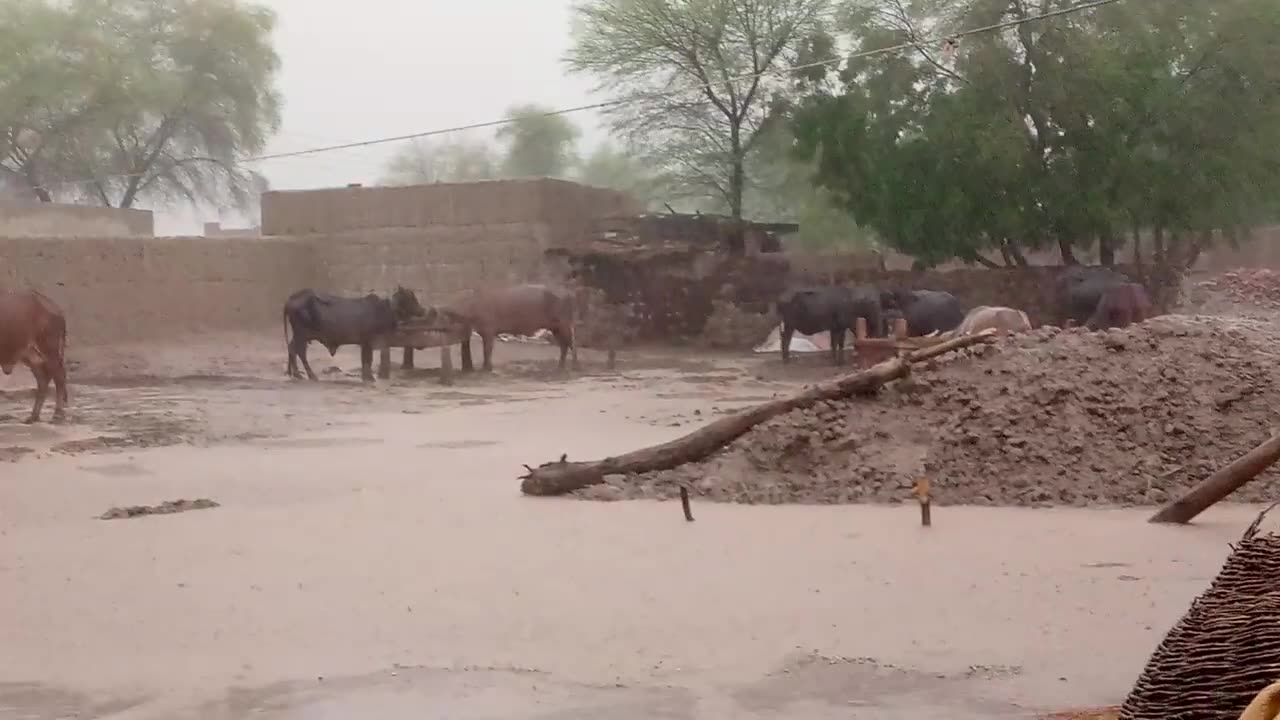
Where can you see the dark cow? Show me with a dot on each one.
(334, 321)
(517, 310)
(833, 310)
(1078, 290)
(33, 331)
(926, 311)
(1119, 306)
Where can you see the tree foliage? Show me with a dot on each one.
(537, 143)
(1069, 131)
(124, 99)
(424, 161)
(617, 168)
(697, 80)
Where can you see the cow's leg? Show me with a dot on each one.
(407, 364)
(486, 342)
(301, 351)
(366, 362)
(57, 369)
(41, 374)
(467, 365)
(563, 341)
(384, 362)
(837, 346)
(573, 345)
(785, 341)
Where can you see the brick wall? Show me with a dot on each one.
(115, 288)
(496, 202)
(130, 288)
(58, 220)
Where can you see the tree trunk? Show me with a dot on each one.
(1157, 239)
(1221, 484)
(1016, 253)
(1137, 243)
(738, 173)
(561, 477)
(1068, 254)
(1106, 250)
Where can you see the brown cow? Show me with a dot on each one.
(1119, 306)
(518, 310)
(1005, 320)
(33, 331)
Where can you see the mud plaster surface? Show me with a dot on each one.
(372, 557)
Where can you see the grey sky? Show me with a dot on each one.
(376, 68)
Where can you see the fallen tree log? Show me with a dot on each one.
(1220, 484)
(561, 476)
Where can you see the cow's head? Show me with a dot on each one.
(405, 305)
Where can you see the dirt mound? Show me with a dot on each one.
(1132, 416)
(1258, 287)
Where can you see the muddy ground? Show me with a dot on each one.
(369, 553)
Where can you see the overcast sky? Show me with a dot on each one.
(379, 68)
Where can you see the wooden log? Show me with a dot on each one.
(561, 476)
(1220, 484)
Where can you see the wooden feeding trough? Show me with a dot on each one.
(871, 350)
(420, 334)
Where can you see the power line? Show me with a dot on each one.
(915, 44)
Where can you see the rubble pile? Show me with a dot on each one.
(1054, 417)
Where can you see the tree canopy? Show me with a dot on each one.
(696, 79)
(537, 143)
(115, 100)
(431, 161)
(1071, 130)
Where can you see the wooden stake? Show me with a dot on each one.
(684, 503)
(921, 491)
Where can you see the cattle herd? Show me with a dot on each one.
(33, 329)
(1096, 297)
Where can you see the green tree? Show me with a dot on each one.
(423, 161)
(697, 80)
(1072, 130)
(609, 166)
(537, 143)
(140, 98)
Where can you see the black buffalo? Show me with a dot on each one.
(833, 310)
(1078, 290)
(334, 321)
(926, 311)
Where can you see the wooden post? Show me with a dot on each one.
(1220, 484)
(921, 491)
(900, 329)
(407, 364)
(859, 328)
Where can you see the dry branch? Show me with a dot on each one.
(1220, 484)
(561, 477)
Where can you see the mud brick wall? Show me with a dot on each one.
(123, 288)
(438, 263)
(496, 202)
(59, 220)
(127, 288)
